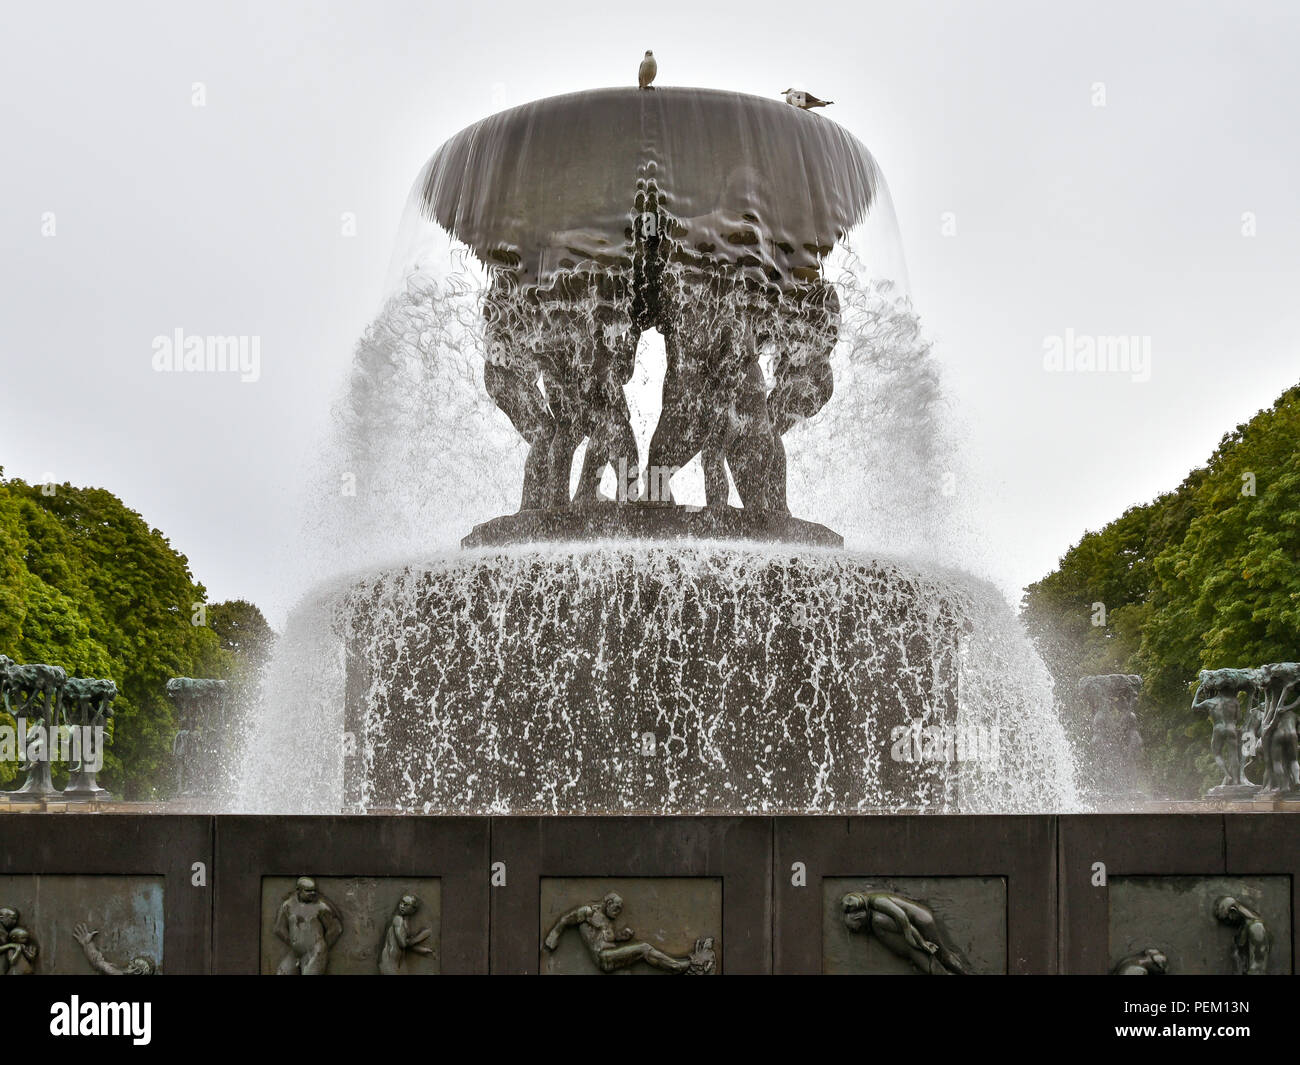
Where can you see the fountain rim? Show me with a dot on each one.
(672, 90)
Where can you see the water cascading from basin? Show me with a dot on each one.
(642, 677)
(541, 247)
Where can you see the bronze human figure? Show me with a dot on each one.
(8, 922)
(1217, 696)
(613, 948)
(1279, 734)
(20, 953)
(6, 663)
(140, 965)
(1150, 962)
(1111, 702)
(1252, 940)
(310, 925)
(906, 927)
(399, 939)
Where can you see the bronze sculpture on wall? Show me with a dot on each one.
(9, 918)
(1149, 962)
(140, 965)
(612, 948)
(399, 939)
(20, 953)
(906, 927)
(1252, 940)
(309, 924)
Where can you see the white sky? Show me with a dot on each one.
(225, 219)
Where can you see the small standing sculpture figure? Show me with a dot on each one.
(140, 965)
(905, 927)
(398, 939)
(8, 922)
(612, 948)
(20, 952)
(1279, 736)
(91, 706)
(1252, 741)
(198, 746)
(1252, 940)
(1217, 696)
(1111, 701)
(1150, 962)
(310, 925)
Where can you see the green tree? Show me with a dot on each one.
(249, 640)
(86, 584)
(1203, 577)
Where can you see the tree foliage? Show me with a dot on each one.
(1204, 577)
(86, 584)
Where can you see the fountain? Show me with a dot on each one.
(614, 645)
(642, 502)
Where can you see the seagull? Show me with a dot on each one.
(649, 68)
(806, 100)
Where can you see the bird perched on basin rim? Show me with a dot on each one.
(649, 68)
(806, 100)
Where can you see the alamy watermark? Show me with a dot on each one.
(1085, 353)
(77, 1018)
(182, 353)
(77, 744)
(919, 742)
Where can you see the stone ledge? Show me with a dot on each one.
(649, 521)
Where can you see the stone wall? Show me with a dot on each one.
(427, 895)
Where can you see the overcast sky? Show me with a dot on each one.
(1087, 167)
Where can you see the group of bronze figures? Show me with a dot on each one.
(309, 924)
(49, 707)
(1251, 943)
(909, 929)
(558, 358)
(20, 953)
(905, 927)
(64, 718)
(1264, 735)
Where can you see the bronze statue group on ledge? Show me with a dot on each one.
(1264, 735)
(558, 358)
(58, 718)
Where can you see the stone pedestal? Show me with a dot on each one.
(81, 790)
(649, 521)
(1234, 792)
(38, 785)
